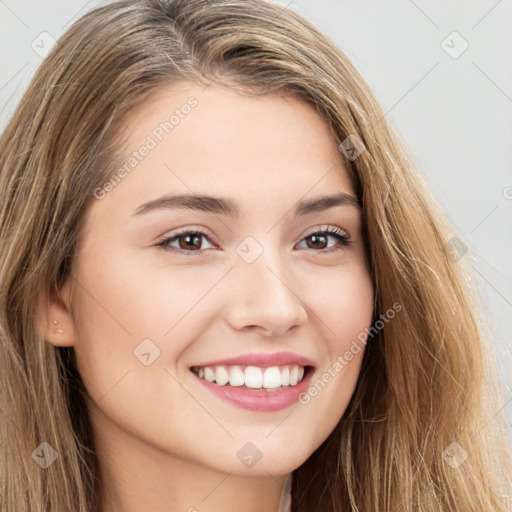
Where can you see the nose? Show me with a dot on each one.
(263, 297)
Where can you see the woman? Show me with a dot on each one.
(225, 286)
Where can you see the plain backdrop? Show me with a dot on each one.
(442, 71)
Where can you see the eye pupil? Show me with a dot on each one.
(187, 244)
(317, 238)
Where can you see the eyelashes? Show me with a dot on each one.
(192, 238)
(330, 232)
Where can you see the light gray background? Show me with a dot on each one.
(453, 113)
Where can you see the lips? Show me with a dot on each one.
(258, 381)
(261, 360)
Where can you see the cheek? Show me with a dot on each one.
(153, 298)
(352, 309)
(345, 310)
(129, 314)
(343, 305)
(123, 354)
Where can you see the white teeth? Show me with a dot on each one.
(253, 377)
(221, 376)
(285, 376)
(272, 377)
(269, 378)
(209, 374)
(236, 376)
(294, 376)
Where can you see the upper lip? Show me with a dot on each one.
(261, 359)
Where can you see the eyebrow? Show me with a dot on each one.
(225, 206)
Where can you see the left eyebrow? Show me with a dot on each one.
(226, 206)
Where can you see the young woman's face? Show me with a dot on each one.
(169, 296)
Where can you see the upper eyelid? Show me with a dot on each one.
(324, 227)
(206, 233)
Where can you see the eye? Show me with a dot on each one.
(189, 241)
(319, 239)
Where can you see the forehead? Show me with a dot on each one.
(257, 149)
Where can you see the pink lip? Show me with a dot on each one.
(255, 400)
(263, 360)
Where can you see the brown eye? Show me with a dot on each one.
(188, 242)
(319, 240)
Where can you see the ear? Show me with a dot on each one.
(54, 319)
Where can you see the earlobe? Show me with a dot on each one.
(54, 319)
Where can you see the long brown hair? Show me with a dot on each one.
(427, 388)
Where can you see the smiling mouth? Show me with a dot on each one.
(256, 378)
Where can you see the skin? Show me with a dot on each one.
(165, 443)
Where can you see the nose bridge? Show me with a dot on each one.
(264, 296)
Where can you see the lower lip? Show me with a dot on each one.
(256, 400)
